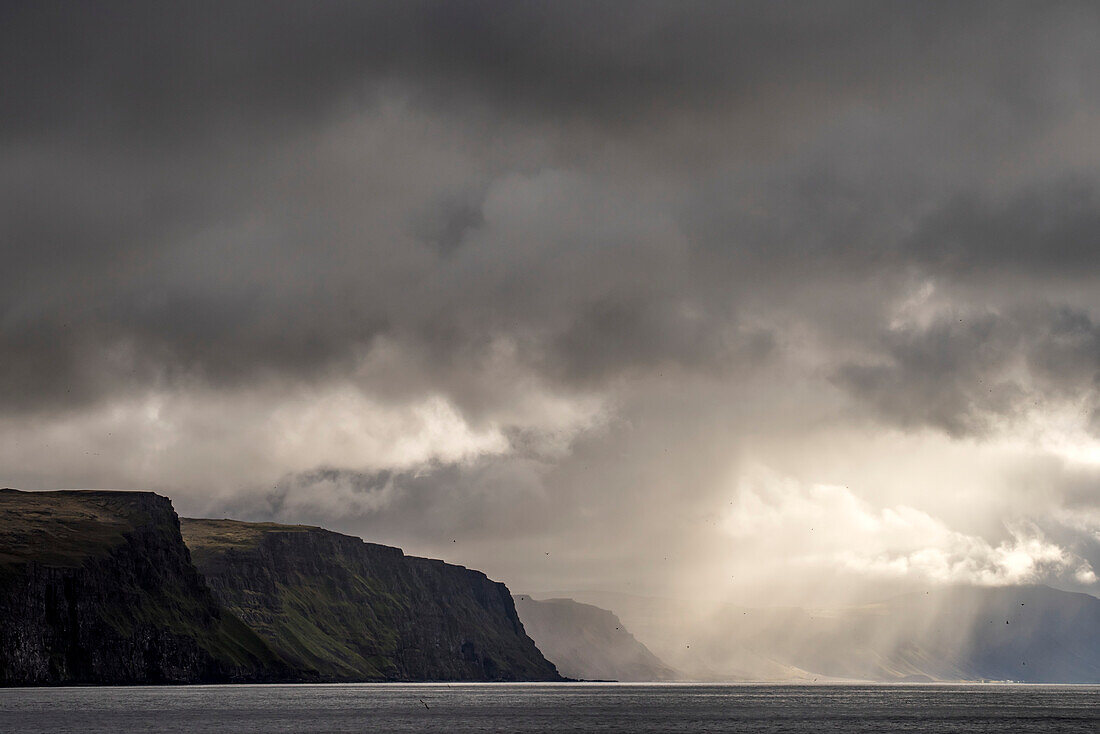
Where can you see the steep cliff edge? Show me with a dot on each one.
(98, 587)
(345, 610)
(588, 642)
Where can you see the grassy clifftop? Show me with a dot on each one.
(62, 529)
(210, 538)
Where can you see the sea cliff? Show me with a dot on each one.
(343, 609)
(101, 588)
(98, 587)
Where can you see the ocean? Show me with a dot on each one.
(570, 707)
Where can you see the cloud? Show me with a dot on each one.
(198, 445)
(828, 528)
(186, 195)
(1044, 230)
(444, 272)
(979, 373)
(129, 66)
(949, 375)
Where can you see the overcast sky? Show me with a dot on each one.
(739, 300)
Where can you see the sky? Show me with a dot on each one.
(766, 302)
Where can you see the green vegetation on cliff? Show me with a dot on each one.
(343, 609)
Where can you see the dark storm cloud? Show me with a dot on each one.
(947, 376)
(1051, 229)
(966, 375)
(619, 337)
(172, 214)
(445, 222)
(464, 500)
(174, 68)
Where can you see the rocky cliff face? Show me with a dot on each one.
(341, 609)
(98, 587)
(588, 642)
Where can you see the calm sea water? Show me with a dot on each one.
(553, 708)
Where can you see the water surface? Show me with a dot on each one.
(627, 708)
